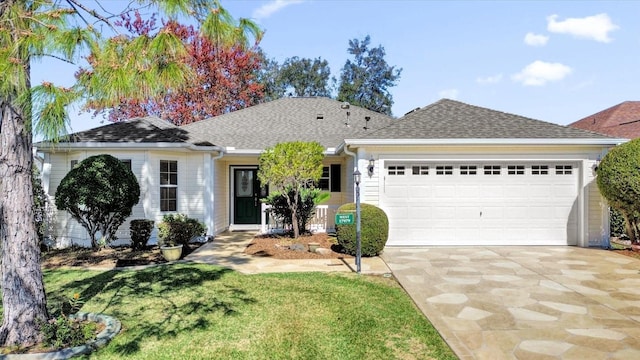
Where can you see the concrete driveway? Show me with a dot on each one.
(526, 302)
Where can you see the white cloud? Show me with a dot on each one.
(449, 94)
(532, 39)
(596, 27)
(272, 7)
(489, 79)
(538, 73)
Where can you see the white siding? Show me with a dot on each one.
(597, 210)
(145, 166)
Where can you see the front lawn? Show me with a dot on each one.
(191, 311)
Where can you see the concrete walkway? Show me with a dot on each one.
(227, 249)
(526, 302)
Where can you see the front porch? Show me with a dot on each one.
(322, 221)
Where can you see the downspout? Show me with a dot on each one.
(355, 162)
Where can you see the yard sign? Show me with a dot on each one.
(344, 219)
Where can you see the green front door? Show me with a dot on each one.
(246, 196)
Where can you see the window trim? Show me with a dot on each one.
(444, 170)
(563, 169)
(325, 178)
(127, 163)
(333, 179)
(420, 170)
(162, 186)
(492, 169)
(540, 170)
(516, 170)
(468, 170)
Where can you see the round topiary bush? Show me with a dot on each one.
(374, 230)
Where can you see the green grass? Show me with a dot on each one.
(191, 311)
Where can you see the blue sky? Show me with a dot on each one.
(556, 61)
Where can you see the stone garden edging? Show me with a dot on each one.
(112, 328)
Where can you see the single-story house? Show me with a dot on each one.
(446, 174)
(622, 120)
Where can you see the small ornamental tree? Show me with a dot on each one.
(308, 199)
(619, 182)
(289, 168)
(99, 193)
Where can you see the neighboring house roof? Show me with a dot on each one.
(289, 119)
(449, 119)
(622, 120)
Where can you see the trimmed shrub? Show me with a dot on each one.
(99, 193)
(619, 182)
(176, 229)
(616, 223)
(374, 230)
(140, 230)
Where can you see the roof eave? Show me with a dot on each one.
(124, 145)
(496, 141)
(233, 151)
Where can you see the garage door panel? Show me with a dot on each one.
(515, 192)
(481, 209)
(444, 213)
(493, 191)
(538, 191)
(445, 191)
(468, 192)
(467, 212)
(420, 213)
(396, 192)
(420, 191)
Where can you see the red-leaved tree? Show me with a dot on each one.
(225, 79)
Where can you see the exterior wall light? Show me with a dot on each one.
(372, 164)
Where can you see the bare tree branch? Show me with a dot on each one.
(92, 12)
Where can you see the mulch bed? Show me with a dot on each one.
(108, 257)
(277, 246)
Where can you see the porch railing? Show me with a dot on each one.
(322, 221)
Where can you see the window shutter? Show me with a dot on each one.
(336, 175)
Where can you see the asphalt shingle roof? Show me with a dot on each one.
(326, 121)
(289, 119)
(139, 130)
(450, 119)
(622, 120)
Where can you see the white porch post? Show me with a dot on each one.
(209, 197)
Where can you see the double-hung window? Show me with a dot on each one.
(330, 179)
(168, 185)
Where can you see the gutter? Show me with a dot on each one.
(498, 141)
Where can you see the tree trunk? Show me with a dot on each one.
(293, 206)
(23, 295)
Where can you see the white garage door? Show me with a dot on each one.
(480, 204)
